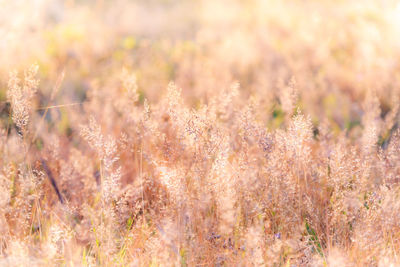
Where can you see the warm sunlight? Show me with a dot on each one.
(200, 133)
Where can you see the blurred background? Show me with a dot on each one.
(334, 50)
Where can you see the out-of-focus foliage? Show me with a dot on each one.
(199, 133)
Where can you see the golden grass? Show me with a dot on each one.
(199, 133)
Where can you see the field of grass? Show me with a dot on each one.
(200, 133)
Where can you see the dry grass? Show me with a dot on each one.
(199, 133)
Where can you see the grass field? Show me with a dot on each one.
(200, 133)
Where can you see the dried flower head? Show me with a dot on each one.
(20, 96)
